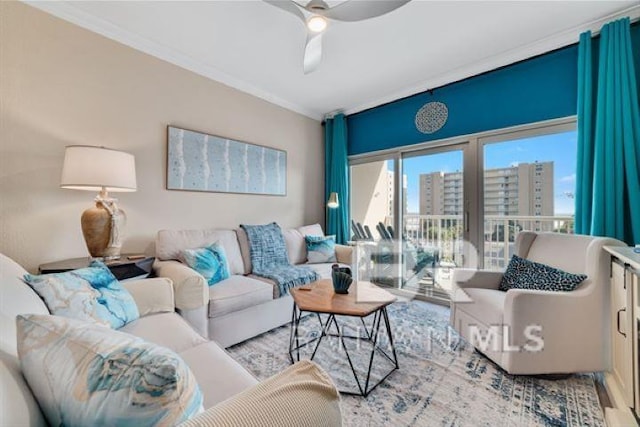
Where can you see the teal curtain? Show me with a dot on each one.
(337, 177)
(608, 170)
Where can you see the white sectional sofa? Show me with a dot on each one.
(300, 395)
(244, 305)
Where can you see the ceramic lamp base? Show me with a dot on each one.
(97, 228)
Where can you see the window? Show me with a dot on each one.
(479, 190)
(549, 160)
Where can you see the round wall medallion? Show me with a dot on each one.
(431, 117)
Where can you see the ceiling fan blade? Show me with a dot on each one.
(358, 10)
(288, 5)
(312, 52)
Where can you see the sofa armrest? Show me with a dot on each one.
(151, 295)
(470, 278)
(344, 254)
(301, 395)
(190, 288)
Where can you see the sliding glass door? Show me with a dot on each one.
(372, 198)
(427, 209)
(433, 219)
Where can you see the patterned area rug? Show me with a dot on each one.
(442, 381)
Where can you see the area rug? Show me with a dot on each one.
(442, 381)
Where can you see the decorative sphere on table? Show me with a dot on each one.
(341, 280)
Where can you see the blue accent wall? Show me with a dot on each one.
(540, 88)
(537, 89)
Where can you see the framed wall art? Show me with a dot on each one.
(201, 162)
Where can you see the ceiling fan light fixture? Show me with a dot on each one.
(317, 23)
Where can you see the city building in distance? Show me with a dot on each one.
(525, 189)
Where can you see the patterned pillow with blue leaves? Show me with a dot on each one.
(524, 274)
(210, 262)
(91, 294)
(321, 249)
(83, 374)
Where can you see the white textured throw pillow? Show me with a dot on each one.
(86, 374)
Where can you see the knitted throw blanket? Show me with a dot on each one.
(270, 259)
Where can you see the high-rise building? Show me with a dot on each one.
(525, 189)
(375, 198)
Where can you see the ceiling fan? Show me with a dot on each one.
(316, 15)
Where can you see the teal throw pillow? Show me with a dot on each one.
(84, 374)
(91, 294)
(524, 274)
(210, 262)
(321, 249)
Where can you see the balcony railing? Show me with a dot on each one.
(444, 232)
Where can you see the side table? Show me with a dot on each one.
(123, 268)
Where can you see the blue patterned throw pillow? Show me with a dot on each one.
(524, 274)
(321, 249)
(210, 262)
(83, 374)
(91, 294)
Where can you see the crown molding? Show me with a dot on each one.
(556, 41)
(68, 12)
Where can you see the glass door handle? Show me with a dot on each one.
(466, 221)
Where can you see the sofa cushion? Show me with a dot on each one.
(275, 291)
(14, 289)
(16, 297)
(311, 230)
(243, 242)
(165, 329)
(91, 294)
(237, 293)
(219, 375)
(210, 262)
(171, 243)
(86, 374)
(485, 305)
(296, 247)
(525, 274)
(19, 406)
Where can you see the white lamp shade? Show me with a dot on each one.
(94, 168)
(333, 203)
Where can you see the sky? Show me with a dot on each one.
(560, 148)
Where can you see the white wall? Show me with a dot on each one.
(61, 85)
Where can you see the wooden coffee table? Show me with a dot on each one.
(364, 299)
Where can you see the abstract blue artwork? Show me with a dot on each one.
(201, 162)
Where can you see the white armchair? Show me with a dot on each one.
(540, 332)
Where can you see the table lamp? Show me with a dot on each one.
(100, 169)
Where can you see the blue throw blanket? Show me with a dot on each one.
(269, 258)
